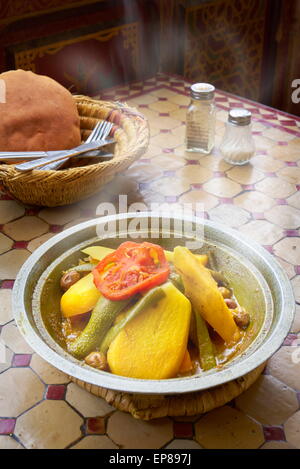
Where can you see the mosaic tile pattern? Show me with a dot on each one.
(261, 200)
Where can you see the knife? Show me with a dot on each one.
(52, 156)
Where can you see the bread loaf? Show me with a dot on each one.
(38, 114)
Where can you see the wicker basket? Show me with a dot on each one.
(53, 188)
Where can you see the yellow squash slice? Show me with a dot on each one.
(202, 290)
(153, 344)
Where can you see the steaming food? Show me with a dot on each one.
(143, 312)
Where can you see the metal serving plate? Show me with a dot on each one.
(259, 284)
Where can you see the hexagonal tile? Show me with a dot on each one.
(277, 445)
(163, 106)
(165, 162)
(144, 99)
(167, 122)
(48, 373)
(266, 163)
(170, 186)
(262, 232)
(5, 243)
(167, 140)
(13, 383)
(229, 215)
(86, 403)
(183, 444)
(284, 367)
(121, 185)
(284, 216)
(37, 242)
(227, 428)
(25, 228)
(179, 114)
(10, 210)
(8, 442)
(252, 199)
(268, 401)
(5, 302)
(7, 359)
(292, 430)
(296, 287)
(60, 215)
(296, 323)
(290, 174)
(288, 152)
(95, 442)
(194, 174)
(13, 339)
(288, 249)
(214, 161)
(222, 187)
(199, 197)
(294, 200)
(10, 263)
(180, 99)
(130, 433)
(263, 143)
(49, 425)
(275, 187)
(144, 172)
(245, 174)
(288, 268)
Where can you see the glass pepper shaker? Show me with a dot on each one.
(237, 146)
(201, 119)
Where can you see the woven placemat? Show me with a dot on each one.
(147, 407)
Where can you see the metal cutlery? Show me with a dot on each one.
(84, 148)
(33, 156)
(100, 132)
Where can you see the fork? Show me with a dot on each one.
(100, 132)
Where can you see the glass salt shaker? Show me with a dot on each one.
(201, 119)
(237, 146)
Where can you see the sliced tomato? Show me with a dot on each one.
(132, 268)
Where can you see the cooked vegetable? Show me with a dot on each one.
(80, 297)
(153, 344)
(230, 303)
(97, 360)
(150, 298)
(68, 279)
(100, 321)
(241, 318)
(82, 268)
(132, 268)
(187, 364)
(97, 252)
(205, 346)
(225, 292)
(203, 258)
(202, 290)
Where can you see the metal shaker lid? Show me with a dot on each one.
(239, 116)
(202, 91)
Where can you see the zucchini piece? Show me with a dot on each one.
(102, 317)
(205, 346)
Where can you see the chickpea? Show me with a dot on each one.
(230, 303)
(68, 279)
(97, 360)
(241, 318)
(225, 292)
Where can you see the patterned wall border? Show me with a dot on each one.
(130, 32)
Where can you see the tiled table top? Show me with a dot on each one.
(261, 200)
